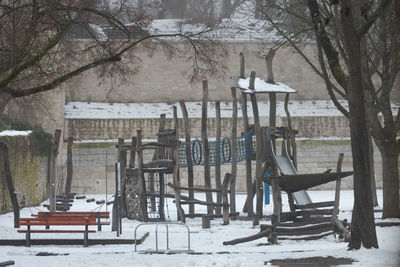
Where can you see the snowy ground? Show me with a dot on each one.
(207, 244)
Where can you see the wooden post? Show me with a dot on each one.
(234, 152)
(276, 192)
(123, 183)
(132, 157)
(70, 167)
(291, 133)
(206, 152)
(242, 66)
(338, 183)
(141, 181)
(259, 148)
(249, 185)
(225, 198)
(10, 184)
(53, 170)
(186, 126)
(205, 222)
(156, 155)
(116, 210)
(218, 155)
(175, 159)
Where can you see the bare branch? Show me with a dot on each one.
(372, 18)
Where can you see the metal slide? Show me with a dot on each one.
(286, 167)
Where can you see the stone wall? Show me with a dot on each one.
(161, 78)
(102, 129)
(94, 167)
(28, 172)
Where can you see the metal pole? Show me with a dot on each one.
(116, 197)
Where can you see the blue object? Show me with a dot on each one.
(267, 200)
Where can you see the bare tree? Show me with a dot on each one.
(45, 43)
(358, 44)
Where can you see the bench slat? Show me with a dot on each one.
(64, 218)
(103, 214)
(56, 231)
(59, 223)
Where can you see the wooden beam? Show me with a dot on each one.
(249, 185)
(338, 184)
(234, 152)
(142, 185)
(259, 235)
(186, 126)
(177, 181)
(259, 148)
(218, 153)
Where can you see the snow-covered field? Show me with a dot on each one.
(206, 243)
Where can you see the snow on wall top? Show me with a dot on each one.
(93, 110)
(261, 86)
(15, 133)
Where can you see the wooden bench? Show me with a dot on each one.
(48, 219)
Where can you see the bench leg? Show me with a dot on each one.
(28, 236)
(98, 222)
(85, 236)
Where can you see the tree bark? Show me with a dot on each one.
(70, 167)
(363, 224)
(390, 172)
(9, 182)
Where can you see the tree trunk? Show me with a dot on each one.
(9, 182)
(390, 173)
(363, 224)
(5, 98)
(70, 167)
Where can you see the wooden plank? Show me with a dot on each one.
(102, 214)
(308, 237)
(316, 205)
(206, 152)
(56, 231)
(218, 183)
(205, 203)
(200, 189)
(186, 126)
(70, 222)
(197, 215)
(303, 213)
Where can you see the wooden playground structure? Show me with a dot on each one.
(144, 187)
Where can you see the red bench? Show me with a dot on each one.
(48, 219)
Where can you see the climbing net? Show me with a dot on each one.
(192, 154)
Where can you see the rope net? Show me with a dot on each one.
(192, 154)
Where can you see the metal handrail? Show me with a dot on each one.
(167, 232)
